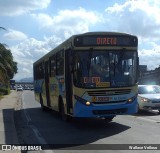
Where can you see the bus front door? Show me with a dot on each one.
(68, 78)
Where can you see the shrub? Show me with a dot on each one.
(4, 91)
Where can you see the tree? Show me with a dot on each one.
(8, 67)
(3, 73)
(7, 63)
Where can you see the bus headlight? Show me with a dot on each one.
(83, 101)
(88, 103)
(130, 100)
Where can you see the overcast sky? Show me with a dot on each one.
(34, 27)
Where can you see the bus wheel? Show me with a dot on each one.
(44, 108)
(62, 111)
(108, 119)
(41, 102)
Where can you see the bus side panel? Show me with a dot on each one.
(37, 97)
(62, 91)
(54, 93)
(38, 89)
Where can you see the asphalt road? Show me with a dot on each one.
(35, 126)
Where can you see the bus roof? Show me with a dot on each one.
(104, 33)
(69, 42)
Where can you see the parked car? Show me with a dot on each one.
(14, 88)
(149, 97)
(31, 88)
(26, 88)
(19, 88)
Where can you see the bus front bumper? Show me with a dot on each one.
(105, 110)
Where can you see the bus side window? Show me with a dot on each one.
(39, 71)
(53, 66)
(60, 63)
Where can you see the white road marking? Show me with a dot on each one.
(35, 130)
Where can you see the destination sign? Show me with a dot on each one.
(105, 41)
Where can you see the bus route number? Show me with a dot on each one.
(91, 79)
(106, 41)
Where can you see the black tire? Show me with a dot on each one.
(44, 108)
(159, 111)
(108, 119)
(64, 116)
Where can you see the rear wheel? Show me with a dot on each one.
(64, 116)
(44, 108)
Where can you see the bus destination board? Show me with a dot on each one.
(105, 41)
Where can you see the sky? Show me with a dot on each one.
(35, 27)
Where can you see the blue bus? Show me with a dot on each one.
(93, 75)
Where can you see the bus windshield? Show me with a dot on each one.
(101, 68)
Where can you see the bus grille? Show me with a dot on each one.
(114, 111)
(108, 92)
(109, 102)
